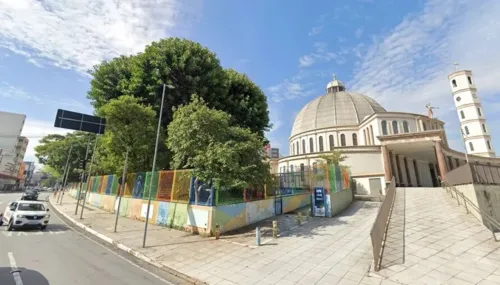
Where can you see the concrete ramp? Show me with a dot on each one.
(432, 240)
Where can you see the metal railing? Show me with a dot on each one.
(492, 224)
(378, 232)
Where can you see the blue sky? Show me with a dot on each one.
(398, 52)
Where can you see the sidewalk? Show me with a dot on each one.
(321, 251)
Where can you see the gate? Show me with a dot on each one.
(278, 205)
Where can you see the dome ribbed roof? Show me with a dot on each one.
(335, 109)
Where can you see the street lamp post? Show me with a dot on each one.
(154, 160)
(88, 177)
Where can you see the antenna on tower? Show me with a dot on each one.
(456, 64)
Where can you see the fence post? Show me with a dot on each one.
(465, 203)
(456, 194)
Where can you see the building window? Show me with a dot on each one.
(372, 138)
(395, 127)
(297, 147)
(470, 80)
(368, 141)
(454, 83)
(406, 129)
(484, 128)
(471, 146)
(364, 136)
(342, 140)
(330, 138)
(311, 145)
(315, 168)
(462, 115)
(293, 148)
(291, 168)
(321, 144)
(302, 170)
(384, 128)
(489, 144)
(466, 130)
(303, 146)
(354, 139)
(479, 112)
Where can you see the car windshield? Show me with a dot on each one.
(30, 207)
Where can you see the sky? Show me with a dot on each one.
(397, 52)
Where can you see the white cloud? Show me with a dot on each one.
(77, 34)
(408, 67)
(315, 30)
(8, 91)
(34, 130)
(321, 54)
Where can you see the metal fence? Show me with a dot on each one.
(476, 173)
(379, 228)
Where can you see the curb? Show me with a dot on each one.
(125, 248)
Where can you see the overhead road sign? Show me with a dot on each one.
(79, 122)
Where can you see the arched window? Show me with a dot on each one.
(342, 140)
(466, 130)
(311, 145)
(384, 128)
(489, 144)
(293, 148)
(364, 136)
(395, 129)
(354, 139)
(303, 146)
(484, 128)
(471, 146)
(454, 83)
(372, 138)
(470, 80)
(462, 115)
(330, 138)
(315, 168)
(479, 112)
(291, 168)
(321, 148)
(302, 170)
(406, 129)
(297, 147)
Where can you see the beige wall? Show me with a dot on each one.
(486, 197)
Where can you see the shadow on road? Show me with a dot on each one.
(28, 277)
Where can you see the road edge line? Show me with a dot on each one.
(125, 248)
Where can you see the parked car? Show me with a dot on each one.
(25, 214)
(30, 195)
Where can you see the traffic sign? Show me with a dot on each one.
(79, 122)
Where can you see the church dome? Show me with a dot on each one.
(336, 108)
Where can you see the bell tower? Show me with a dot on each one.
(475, 132)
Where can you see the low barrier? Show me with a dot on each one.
(379, 228)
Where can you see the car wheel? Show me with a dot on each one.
(10, 227)
(43, 227)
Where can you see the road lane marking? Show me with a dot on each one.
(38, 233)
(15, 272)
(116, 254)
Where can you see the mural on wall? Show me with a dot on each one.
(138, 189)
(181, 187)
(346, 179)
(109, 185)
(259, 210)
(201, 193)
(162, 217)
(154, 186)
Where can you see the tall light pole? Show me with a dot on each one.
(88, 177)
(154, 160)
(84, 163)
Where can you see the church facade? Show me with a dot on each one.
(379, 144)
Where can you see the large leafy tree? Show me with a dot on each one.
(130, 126)
(53, 152)
(191, 69)
(204, 139)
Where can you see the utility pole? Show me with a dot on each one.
(88, 178)
(65, 173)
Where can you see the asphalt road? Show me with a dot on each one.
(63, 255)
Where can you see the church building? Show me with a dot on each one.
(380, 144)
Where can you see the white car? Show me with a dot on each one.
(25, 214)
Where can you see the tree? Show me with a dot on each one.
(191, 69)
(204, 139)
(130, 126)
(333, 157)
(54, 149)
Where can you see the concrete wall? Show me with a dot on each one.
(339, 201)
(486, 197)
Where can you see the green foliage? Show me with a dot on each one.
(53, 152)
(129, 126)
(191, 69)
(333, 157)
(204, 139)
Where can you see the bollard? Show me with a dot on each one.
(257, 236)
(275, 229)
(217, 231)
(299, 218)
